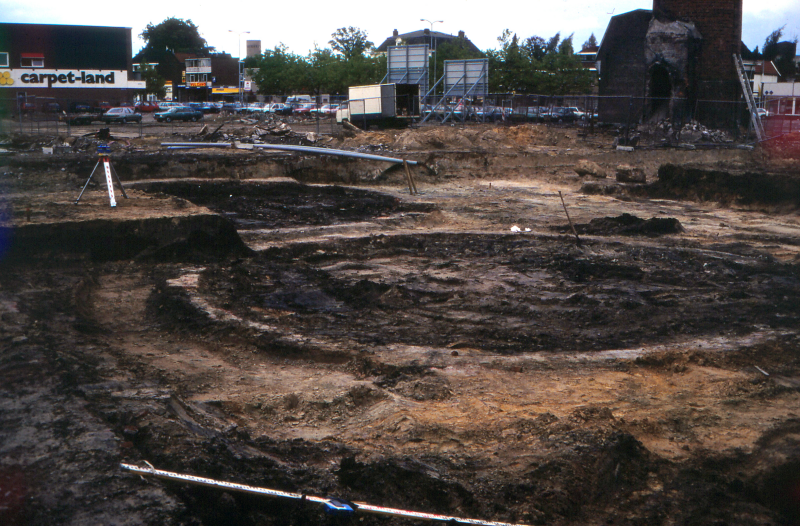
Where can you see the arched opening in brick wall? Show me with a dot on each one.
(660, 90)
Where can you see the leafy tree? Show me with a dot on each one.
(784, 62)
(535, 47)
(537, 65)
(326, 71)
(176, 35)
(154, 83)
(278, 71)
(590, 44)
(351, 42)
(770, 49)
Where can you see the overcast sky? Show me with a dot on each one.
(301, 25)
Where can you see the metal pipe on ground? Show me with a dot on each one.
(291, 148)
(332, 505)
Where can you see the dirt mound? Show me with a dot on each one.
(628, 225)
(477, 137)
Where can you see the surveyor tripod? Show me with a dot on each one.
(103, 151)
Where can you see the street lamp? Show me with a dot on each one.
(432, 44)
(241, 64)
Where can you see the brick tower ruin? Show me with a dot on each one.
(674, 62)
(719, 23)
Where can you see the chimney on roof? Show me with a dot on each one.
(461, 34)
(395, 33)
(426, 31)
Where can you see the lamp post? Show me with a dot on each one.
(241, 64)
(432, 42)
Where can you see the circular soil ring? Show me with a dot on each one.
(506, 293)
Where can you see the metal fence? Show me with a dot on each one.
(637, 121)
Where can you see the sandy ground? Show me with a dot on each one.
(410, 350)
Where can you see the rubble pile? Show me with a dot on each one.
(22, 143)
(692, 132)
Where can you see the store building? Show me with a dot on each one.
(42, 66)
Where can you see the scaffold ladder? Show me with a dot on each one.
(755, 118)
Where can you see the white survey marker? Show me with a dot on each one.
(109, 181)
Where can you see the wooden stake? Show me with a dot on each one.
(412, 186)
(577, 239)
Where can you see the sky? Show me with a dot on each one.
(302, 26)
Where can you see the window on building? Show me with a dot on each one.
(32, 60)
(3, 59)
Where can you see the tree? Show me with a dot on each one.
(324, 70)
(537, 65)
(351, 42)
(590, 44)
(770, 49)
(278, 71)
(776, 51)
(176, 35)
(154, 83)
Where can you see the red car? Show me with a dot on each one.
(146, 106)
(305, 109)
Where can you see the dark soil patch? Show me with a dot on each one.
(627, 225)
(285, 204)
(506, 294)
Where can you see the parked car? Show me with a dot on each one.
(281, 109)
(179, 113)
(327, 109)
(51, 107)
(122, 115)
(104, 106)
(490, 113)
(305, 109)
(578, 113)
(212, 107)
(232, 107)
(80, 107)
(146, 106)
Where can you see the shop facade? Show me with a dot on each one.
(47, 67)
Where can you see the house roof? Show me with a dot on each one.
(423, 36)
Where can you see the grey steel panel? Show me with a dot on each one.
(408, 65)
(466, 76)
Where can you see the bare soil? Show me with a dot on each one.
(457, 351)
